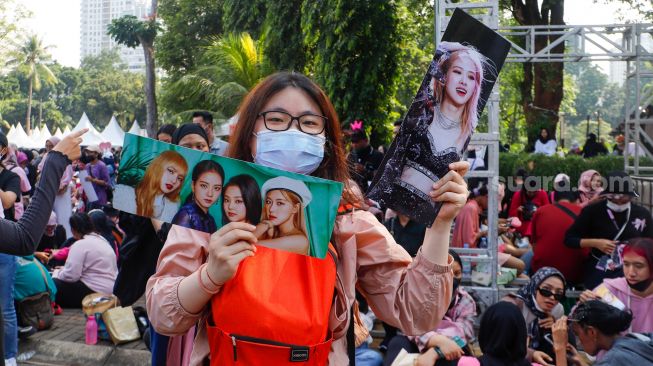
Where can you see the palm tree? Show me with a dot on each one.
(231, 66)
(31, 59)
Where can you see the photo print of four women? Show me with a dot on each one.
(277, 207)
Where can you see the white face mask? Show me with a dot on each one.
(291, 150)
(618, 208)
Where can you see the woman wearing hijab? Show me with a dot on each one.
(545, 144)
(539, 302)
(589, 187)
(63, 201)
(502, 338)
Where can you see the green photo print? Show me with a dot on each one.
(202, 191)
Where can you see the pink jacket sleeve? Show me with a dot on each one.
(182, 254)
(412, 295)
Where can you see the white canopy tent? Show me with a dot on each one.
(137, 130)
(11, 132)
(66, 130)
(58, 133)
(21, 139)
(92, 137)
(113, 133)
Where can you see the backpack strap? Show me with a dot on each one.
(38, 265)
(351, 339)
(566, 210)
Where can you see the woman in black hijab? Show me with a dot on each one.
(502, 336)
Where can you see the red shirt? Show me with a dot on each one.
(549, 226)
(541, 199)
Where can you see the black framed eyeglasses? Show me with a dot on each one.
(312, 124)
(548, 293)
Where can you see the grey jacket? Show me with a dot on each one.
(633, 349)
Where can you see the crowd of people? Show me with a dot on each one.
(205, 292)
(594, 146)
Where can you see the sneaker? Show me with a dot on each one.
(25, 332)
(11, 362)
(25, 356)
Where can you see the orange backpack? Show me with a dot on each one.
(275, 311)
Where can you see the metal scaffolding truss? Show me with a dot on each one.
(632, 43)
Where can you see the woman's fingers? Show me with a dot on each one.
(233, 226)
(460, 167)
(238, 235)
(450, 186)
(238, 247)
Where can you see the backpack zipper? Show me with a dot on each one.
(233, 341)
(235, 337)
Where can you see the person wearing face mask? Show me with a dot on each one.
(634, 291)
(287, 121)
(456, 328)
(98, 175)
(364, 158)
(601, 225)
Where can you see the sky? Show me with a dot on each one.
(57, 22)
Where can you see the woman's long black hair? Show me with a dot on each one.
(251, 197)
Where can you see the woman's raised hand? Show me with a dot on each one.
(69, 145)
(227, 248)
(451, 190)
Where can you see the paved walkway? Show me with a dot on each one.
(64, 344)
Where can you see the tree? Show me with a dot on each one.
(10, 16)
(101, 87)
(356, 50)
(542, 86)
(31, 60)
(244, 16)
(131, 32)
(282, 36)
(188, 25)
(230, 66)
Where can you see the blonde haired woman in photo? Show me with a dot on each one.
(157, 195)
(283, 222)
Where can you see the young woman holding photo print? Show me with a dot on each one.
(225, 282)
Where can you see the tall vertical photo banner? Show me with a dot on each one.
(202, 191)
(442, 117)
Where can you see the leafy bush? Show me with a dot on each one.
(572, 165)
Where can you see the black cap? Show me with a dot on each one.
(619, 182)
(189, 129)
(358, 135)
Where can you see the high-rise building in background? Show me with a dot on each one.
(96, 15)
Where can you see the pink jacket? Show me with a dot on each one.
(410, 294)
(642, 307)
